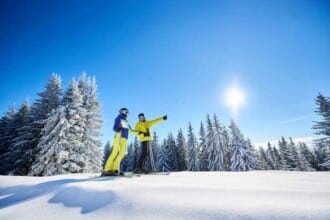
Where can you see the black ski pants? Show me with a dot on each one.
(144, 154)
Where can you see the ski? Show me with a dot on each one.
(131, 174)
(154, 173)
(159, 173)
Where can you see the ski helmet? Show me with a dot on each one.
(123, 111)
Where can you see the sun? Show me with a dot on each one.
(235, 99)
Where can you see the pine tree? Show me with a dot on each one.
(240, 153)
(308, 155)
(303, 164)
(252, 156)
(203, 150)
(42, 108)
(322, 128)
(181, 147)
(320, 152)
(92, 144)
(326, 163)
(276, 159)
(270, 157)
(213, 146)
(220, 150)
(167, 161)
(6, 137)
(14, 153)
(228, 149)
(294, 157)
(193, 164)
(262, 159)
(160, 165)
(61, 149)
(285, 155)
(155, 146)
(22, 143)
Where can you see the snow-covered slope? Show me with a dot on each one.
(183, 195)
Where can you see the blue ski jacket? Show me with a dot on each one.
(121, 125)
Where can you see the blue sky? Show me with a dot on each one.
(175, 57)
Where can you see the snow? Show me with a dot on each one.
(181, 195)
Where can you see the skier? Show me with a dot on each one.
(145, 137)
(121, 128)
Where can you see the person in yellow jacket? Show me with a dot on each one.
(121, 129)
(144, 128)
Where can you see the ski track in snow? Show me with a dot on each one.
(181, 195)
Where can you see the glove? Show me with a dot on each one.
(165, 117)
(146, 134)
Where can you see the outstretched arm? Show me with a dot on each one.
(157, 120)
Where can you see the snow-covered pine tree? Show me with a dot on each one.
(167, 160)
(252, 156)
(294, 157)
(50, 99)
(270, 157)
(303, 164)
(202, 150)
(322, 128)
(193, 164)
(3, 124)
(276, 158)
(14, 153)
(92, 144)
(22, 143)
(6, 137)
(262, 159)
(228, 149)
(219, 143)
(155, 146)
(162, 165)
(239, 156)
(181, 147)
(308, 155)
(212, 142)
(48, 102)
(326, 163)
(61, 147)
(320, 152)
(285, 154)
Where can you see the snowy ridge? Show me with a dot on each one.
(182, 195)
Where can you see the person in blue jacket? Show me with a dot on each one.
(121, 129)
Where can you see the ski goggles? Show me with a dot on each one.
(125, 112)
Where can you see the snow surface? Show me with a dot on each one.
(181, 195)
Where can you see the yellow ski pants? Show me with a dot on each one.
(117, 154)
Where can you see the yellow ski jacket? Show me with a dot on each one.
(144, 126)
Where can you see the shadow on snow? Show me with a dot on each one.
(88, 200)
